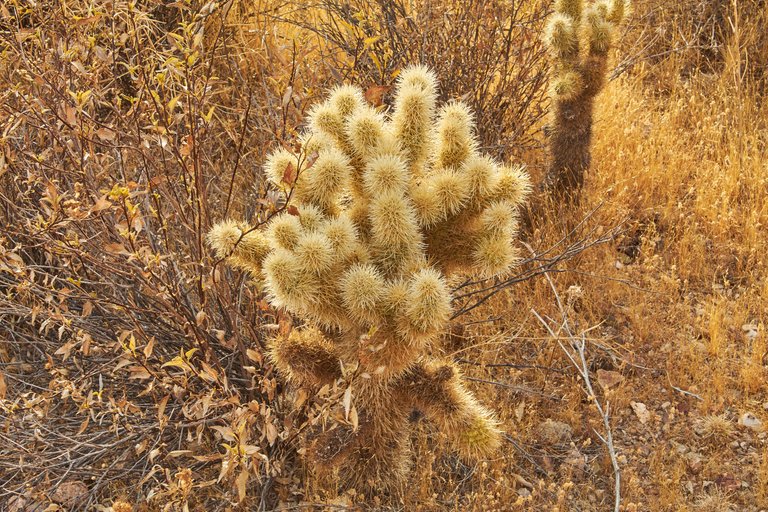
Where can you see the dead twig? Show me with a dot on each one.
(575, 351)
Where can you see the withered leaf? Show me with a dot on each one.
(290, 174)
(242, 480)
(375, 94)
(311, 159)
(609, 379)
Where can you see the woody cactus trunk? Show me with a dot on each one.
(579, 35)
(383, 213)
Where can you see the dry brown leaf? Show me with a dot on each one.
(609, 379)
(375, 94)
(290, 174)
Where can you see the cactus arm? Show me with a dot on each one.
(579, 36)
(436, 390)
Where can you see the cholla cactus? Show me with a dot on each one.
(384, 212)
(579, 35)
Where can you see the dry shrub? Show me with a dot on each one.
(683, 38)
(125, 128)
(133, 362)
(487, 53)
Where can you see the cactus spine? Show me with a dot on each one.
(389, 210)
(579, 35)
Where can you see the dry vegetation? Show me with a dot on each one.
(132, 363)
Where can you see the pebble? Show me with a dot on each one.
(750, 421)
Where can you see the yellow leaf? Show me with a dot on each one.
(176, 361)
(149, 348)
(370, 41)
(172, 103)
(242, 480)
(207, 117)
(132, 345)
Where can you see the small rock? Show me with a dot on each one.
(751, 422)
(641, 411)
(69, 493)
(523, 492)
(680, 448)
(576, 460)
(694, 462)
(727, 482)
(554, 432)
(750, 331)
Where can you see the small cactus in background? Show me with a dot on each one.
(579, 35)
(383, 212)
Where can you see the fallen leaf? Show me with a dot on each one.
(608, 379)
(105, 134)
(375, 94)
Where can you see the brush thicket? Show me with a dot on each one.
(579, 35)
(389, 209)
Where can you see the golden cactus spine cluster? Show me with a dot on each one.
(386, 209)
(579, 35)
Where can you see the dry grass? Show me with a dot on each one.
(103, 280)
